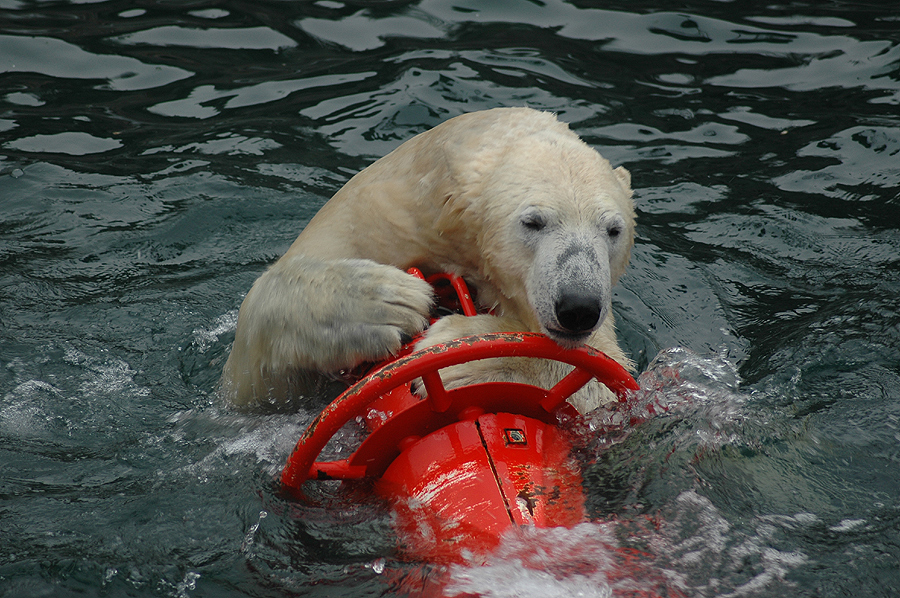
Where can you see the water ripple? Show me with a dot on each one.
(57, 58)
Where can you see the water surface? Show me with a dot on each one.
(155, 158)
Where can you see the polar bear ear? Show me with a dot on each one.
(624, 178)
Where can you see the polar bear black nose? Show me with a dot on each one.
(577, 312)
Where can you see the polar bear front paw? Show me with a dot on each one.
(373, 310)
(327, 315)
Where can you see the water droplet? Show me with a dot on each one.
(378, 566)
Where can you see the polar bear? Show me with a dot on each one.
(510, 199)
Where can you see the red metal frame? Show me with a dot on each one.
(444, 407)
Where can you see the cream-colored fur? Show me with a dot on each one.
(510, 199)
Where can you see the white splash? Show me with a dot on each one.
(585, 561)
(204, 338)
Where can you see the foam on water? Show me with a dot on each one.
(22, 414)
(105, 376)
(691, 549)
(94, 387)
(681, 386)
(714, 557)
(267, 440)
(204, 338)
(583, 561)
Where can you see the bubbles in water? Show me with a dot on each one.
(85, 393)
(513, 580)
(22, 413)
(105, 376)
(690, 550)
(250, 536)
(187, 584)
(378, 565)
(586, 561)
(716, 558)
(689, 409)
(268, 440)
(677, 384)
(692, 375)
(203, 358)
(204, 337)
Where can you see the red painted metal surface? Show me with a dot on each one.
(457, 490)
(461, 465)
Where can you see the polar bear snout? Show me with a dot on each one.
(569, 286)
(577, 312)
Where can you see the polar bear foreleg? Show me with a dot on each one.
(305, 317)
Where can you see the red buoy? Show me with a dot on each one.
(462, 465)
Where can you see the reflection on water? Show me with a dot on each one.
(155, 159)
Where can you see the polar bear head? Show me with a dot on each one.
(553, 227)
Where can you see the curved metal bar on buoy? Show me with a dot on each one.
(425, 363)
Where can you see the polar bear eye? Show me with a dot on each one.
(615, 228)
(533, 221)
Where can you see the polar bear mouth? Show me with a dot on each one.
(567, 338)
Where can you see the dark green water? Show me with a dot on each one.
(156, 156)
